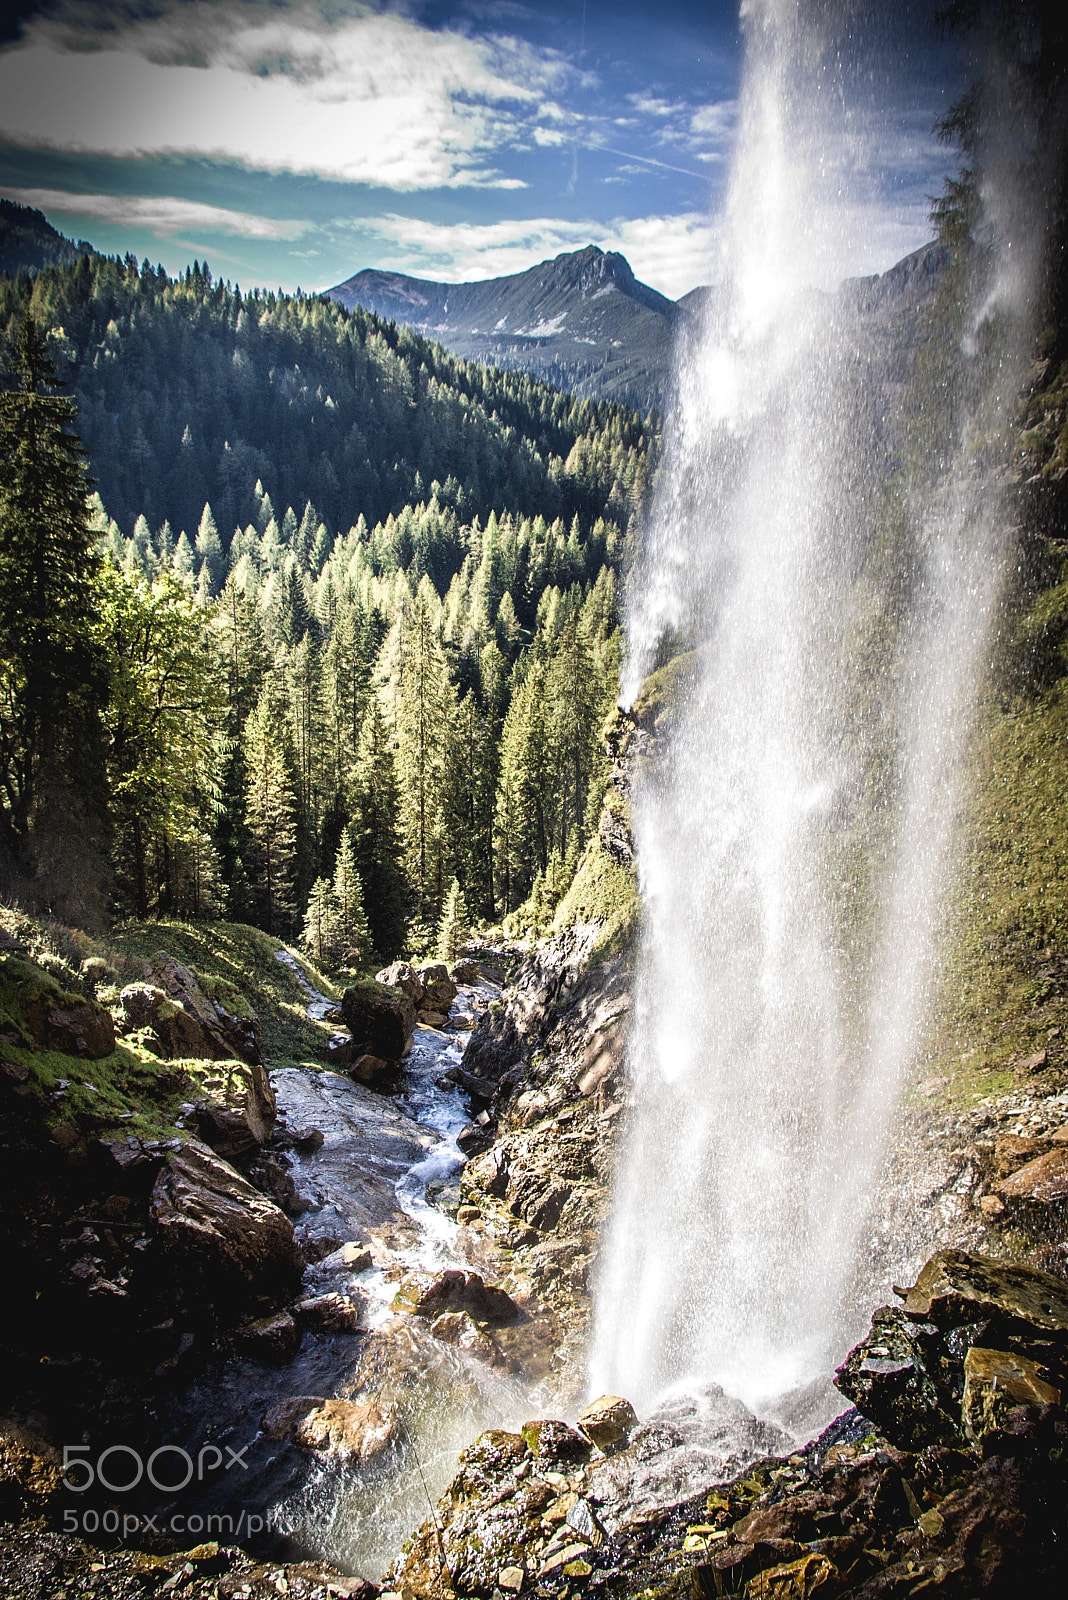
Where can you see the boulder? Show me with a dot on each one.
(222, 1240)
(457, 1328)
(608, 1422)
(74, 1028)
(380, 1020)
(274, 1340)
(480, 1089)
(994, 1382)
(199, 1027)
(439, 991)
(344, 1428)
(1039, 1187)
(424, 1295)
(374, 1071)
(555, 1443)
(432, 1019)
(402, 976)
(932, 1372)
(341, 1051)
(349, 1257)
(333, 1313)
(466, 972)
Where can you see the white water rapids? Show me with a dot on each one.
(796, 831)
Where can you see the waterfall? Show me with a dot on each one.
(837, 595)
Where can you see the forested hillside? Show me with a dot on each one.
(340, 620)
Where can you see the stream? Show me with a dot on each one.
(385, 1176)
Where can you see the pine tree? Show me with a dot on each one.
(354, 933)
(426, 703)
(51, 668)
(375, 807)
(269, 809)
(209, 548)
(321, 936)
(452, 927)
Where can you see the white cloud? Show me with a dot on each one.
(162, 215)
(370, 98)
(673, 254)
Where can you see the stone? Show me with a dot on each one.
(200, 1027)
(994, 1382)
(380, 1019)
(897, 1378)
(466, 972)
(480, 1089)
(955, 1288)
(333, 1313)
(222, 1240)
(510, 1579)
(473, 1139)
(555, 1443)
(457, 1328)
(1033, 1063)
(350, 1257)
(226, 1130)
(273, 1340)
(1011, 1152)
(375, 1072)
(991, 1206)
(1040, 1186)
(345, 1428)
(608, 1421)
(401, 975)
(340, 1050)
(432, 1019)
(75, 1029)
(424, 1295)
(439, 991)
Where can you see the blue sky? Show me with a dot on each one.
(296, 142)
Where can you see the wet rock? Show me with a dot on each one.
(424, 1295)
(457, 1328)
(344, 1428)
(956, 1287)
(270, 1174)
(332, 1313)
(350, 1257)
(554, 1443)
(480, 1089)
(608, 1422)
(1039, 1189)
(304, 1140)
(273, 1340)
(473, 1138)
(227, 1131)
(220, 1238)
(995, 1382)
(432, 1019)
(380, 1020)
(1011, 1152)
(911, 1375)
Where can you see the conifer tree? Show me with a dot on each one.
(269, 810)
(51, 669)
(452, 926)
(424, 715)
(321, 936)
(354, 933)
(375, 834)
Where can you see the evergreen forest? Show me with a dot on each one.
(304, 621)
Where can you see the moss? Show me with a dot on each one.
(604, 893)
(663, 691)
(1006, 983)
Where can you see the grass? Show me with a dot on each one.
(601, 892)
(1006, 982)
(131, 1090)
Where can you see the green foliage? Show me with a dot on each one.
(51, 670)
(452, 928)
